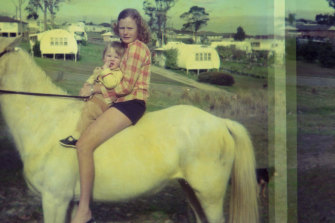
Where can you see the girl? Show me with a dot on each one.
(129, 98)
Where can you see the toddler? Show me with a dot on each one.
(107, 77)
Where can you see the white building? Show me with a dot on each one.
(78, 30)
(274, 46)
(96, 28)
(109, 37)
(56, 43)
(191, 56)
(11, 27)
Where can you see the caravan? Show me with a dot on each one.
(78, 30)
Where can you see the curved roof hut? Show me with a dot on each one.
(195, 57)
(57, 43)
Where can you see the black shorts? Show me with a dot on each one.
(133, 109)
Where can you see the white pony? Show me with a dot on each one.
(181, 142)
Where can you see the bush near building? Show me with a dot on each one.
(37, 49)
(217, 78)
(261, 57)
(171, 58)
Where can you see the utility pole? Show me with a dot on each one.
(18, 7)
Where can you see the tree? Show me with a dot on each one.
(53, 6)
(240, 35)
(34, 6)
(325, 19)
(45, 6)
(331, 3)
(291, 18)
(195, 18)
(157, 12)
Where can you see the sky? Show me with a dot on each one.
(255, 16)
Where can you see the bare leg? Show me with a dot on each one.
(108, 124)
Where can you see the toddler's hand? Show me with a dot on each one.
(106, 64)
(85, 91)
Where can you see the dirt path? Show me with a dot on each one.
(315, 81)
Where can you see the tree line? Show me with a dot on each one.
(326, 19)
(50, 7)
(194, 19)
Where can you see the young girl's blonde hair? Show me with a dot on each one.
(117, 46)
(142, 27)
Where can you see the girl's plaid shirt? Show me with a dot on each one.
(135, 66)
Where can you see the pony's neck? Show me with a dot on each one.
(24, 75)
(32, 118)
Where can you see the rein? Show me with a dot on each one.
(4, 52)
(42, 94)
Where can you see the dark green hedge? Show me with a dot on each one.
(218, 78)
(36, 49)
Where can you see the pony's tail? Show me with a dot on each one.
(243, 201)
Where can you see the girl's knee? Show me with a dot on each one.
(82, 147)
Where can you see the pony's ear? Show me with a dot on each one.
(8, 43)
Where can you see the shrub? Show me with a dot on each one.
(308, 51)
(218, 78)
(224, 52)
(231, 53)
(171, 58)
(239, 54)
(187, 41)
(260, 56)
(326, 55)
(37, 49)
(83, 42)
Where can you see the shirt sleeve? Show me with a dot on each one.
(110, 79)
(131, 70)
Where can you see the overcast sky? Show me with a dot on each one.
(255, 16)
